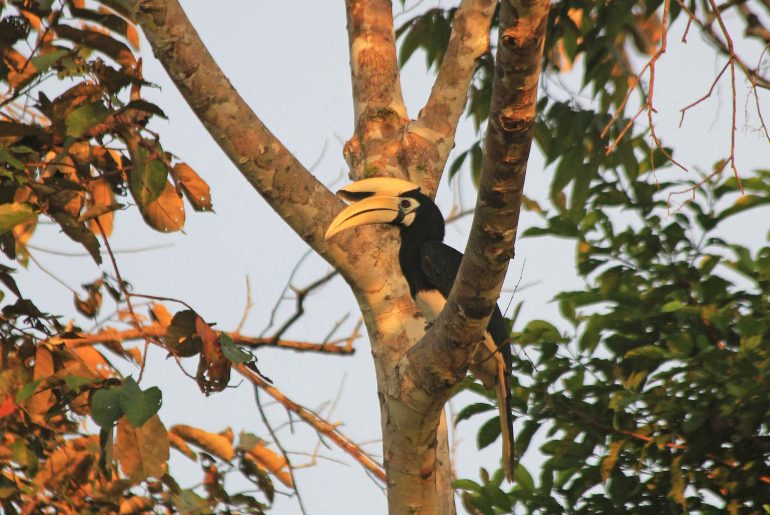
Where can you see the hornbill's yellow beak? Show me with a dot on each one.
(373, 201)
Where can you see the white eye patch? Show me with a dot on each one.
(408, 219)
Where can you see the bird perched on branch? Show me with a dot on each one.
(430, 268)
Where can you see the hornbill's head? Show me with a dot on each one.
(384, 200)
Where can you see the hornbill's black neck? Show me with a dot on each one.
(428, 225)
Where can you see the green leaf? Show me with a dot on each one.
(26, 391)
(670, 307)
(466, 484)
(232, 352)
(137, 404)
(106, 406)
(14, 214)
(472, 409)
(649, 352)
(84, 118)
(75, 382)
(488, 432)
(147, 178)
(523, 478)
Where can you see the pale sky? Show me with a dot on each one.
(289, 61)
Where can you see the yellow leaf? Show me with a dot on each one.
(212, 443)
(165, 213)
(195, 189)
(142, 452)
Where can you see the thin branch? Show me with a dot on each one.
(280, 448)
(126, 295)
(157, 331)
(468, 41)
(247, 308)
(704, 97)
(316, 422)
(731, 55)
(301, 295)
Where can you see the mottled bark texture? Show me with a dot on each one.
(414, 381)
(425, 376)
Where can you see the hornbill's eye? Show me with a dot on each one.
(406, 204)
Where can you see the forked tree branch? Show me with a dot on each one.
(303, 202)
(469, 40)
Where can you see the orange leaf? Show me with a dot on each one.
(212, 443)
(180, 445)
(101, 200)
(7, 407)
(132, 36)
(165, 213)
(161, 314)
(195, 189)
(272, 461)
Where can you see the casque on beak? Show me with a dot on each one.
(373, 201)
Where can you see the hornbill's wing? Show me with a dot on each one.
(440, 264)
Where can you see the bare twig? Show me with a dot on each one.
(127, 295)
(301, 295)
(157, 331)
(246, 308)
(280, 448)
(704, 97)
(319, 424)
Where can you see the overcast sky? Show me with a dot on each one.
(289, 61)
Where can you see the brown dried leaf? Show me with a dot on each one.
(212, 443)
(195, 189)
(142, 452)
(213, 368)
(165, 213)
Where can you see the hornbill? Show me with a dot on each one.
(430, 268)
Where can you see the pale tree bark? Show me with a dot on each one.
(414, 381)
(424, 378)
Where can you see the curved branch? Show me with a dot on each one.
(303, 202)
(469, 40)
